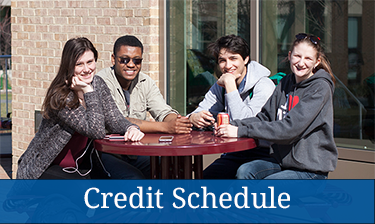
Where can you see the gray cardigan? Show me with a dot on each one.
(101, 114)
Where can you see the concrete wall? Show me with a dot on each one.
(39, 31)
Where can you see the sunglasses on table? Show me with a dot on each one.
(301, 36)
(136, 61)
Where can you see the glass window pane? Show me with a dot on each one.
(205, 21)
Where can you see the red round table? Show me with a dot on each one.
(176, 160)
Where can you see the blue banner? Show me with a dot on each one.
(187, 201)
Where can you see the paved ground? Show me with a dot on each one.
(5, 168)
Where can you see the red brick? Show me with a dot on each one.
(47, 20)
(36, 67)
(47, 4)
(95, 12)
(40, 12)
(35, 20)
(103, 21)
(16, 12)
(47, 36)
(135, 21)
(15, 28)
(22, 20)
(97, 29)
(74, 4)
(110, 12)
(141, 12)
(61, 20)
(87, 4)
(74, 20)
(61, 37)
(126, 13)
(36, 52)
(34, 4)
(133, 4)
(41, 28)
(22, 51)
(29, 44)
(35, 84)
(29, 75)
(41, 92)
(111, 29)
(49, 68)
(23, 99)
(154, 13)
(16, 89)
(28, 12)
(60, 4)
(88, 20)
(153, 3)
(30, 123)
(54, 12)
(82, 29)
(143, 30)
(117, 4)
(102, 4)
(119, 21)
(22, 36)
(29, 60)
(16, 105)
(29, 91)
(81, 12)
(67, 12)
(67, 29)
(154, 21)
(35, 36)
(54, 28)
(41, 44)
(108, 47)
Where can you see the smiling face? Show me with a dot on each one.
(303, 59)
(85, 67)
(126, 72)
(232, 63)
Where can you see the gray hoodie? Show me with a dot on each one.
(298, 118)
(238, 104)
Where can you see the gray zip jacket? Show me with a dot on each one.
(298, 119)
(101, 113)
(238, 104)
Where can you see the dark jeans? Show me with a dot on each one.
(125, 167)
(226, 166)
(269, 168)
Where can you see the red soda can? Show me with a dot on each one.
(222, 118)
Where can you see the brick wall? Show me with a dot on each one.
(39, 31)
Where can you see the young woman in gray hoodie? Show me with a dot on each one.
(298, 119)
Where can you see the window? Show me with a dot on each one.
(193, 25)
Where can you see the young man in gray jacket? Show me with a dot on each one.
(241, 91)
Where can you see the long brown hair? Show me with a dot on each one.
(314, 42)
(57, 93)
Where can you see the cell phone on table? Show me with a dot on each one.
(115, 137)
(165, 138)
